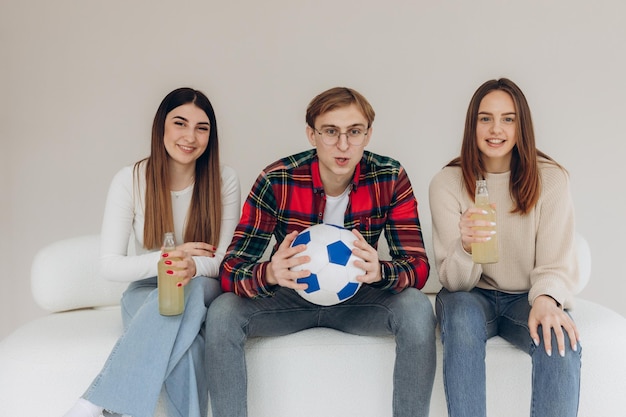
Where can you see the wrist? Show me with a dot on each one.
(384, 277)
(549, 299)
(269, 275)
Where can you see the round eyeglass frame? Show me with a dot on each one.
(333, 140)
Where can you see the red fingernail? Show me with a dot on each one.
(164, 255)
(167, 262)
(169, 272)
(180, 284)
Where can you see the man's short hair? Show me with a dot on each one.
(335, 98)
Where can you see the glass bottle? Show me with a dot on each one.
(485, 252)
(171, 297)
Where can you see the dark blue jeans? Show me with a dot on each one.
(407, 315)
(467, 320)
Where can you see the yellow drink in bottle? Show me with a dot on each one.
(485, 252)
(171, 297)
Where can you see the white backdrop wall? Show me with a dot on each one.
(80, 82)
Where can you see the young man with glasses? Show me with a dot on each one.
(340, 183)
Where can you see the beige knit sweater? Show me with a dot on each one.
(536, 250)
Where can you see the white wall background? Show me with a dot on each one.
(80, 82)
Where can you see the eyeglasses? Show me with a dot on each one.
(331, 135)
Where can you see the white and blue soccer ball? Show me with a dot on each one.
(333, 274)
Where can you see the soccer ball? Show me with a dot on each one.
(333, 274)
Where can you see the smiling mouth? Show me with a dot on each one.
(496, 141)
(186, 148)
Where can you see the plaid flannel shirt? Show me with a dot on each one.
(289, 195)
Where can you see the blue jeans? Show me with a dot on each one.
(157, 352)
(407, 315)
(467, 320)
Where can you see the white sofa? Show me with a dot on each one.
(46, 364)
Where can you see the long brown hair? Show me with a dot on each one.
(205, 212)
(525, 183)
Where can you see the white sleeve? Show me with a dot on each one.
(231, 212)
(116, 263)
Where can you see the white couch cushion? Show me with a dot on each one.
(61, 283)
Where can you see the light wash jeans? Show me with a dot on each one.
(467, 320)
(157, 351)
(407, 315)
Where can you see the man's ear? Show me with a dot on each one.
(370, 130)
(310, 134)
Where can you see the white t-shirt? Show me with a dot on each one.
(335, 209)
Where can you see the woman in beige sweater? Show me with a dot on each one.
(524, 296)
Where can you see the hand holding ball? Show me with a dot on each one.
(333, 274)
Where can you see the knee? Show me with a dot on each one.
(212, 290)
(205, 289)
(457, 306)
(460, 315)
(135, 298)
(221, 316)
(414, 309)
(569, 353)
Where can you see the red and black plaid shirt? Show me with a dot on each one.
(288, 195)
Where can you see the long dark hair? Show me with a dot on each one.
(205, 211)
(525, 183)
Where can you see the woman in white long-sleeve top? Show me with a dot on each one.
(180, 187)
(525, 295)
